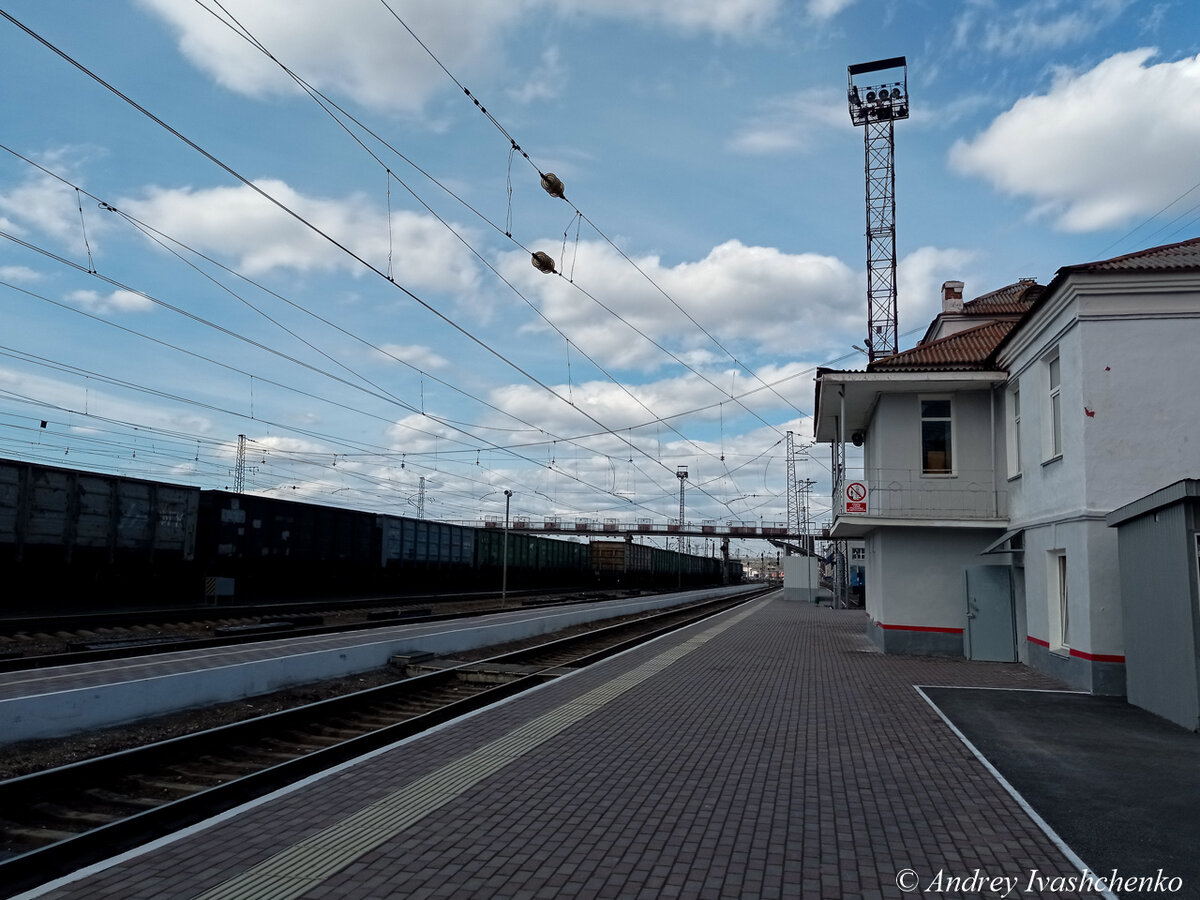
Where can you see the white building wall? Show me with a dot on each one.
(1049, 488)
(1144, 396)
(1131, 420)
(923, 594)
(921, 606)
(916, 588)
(895, 432)
(892, 461)
(873, 598)
(1130, 425)
(801, 578)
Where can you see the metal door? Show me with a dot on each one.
(991, 626)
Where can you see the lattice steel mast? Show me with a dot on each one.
(239, 469)
(877, 106)
(793, 492)
(681, 472)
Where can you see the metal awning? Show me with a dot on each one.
(1014, 539)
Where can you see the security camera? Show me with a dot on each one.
(857, 438)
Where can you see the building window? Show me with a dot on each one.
(936, 437)
(1014, 433)
(1059, 603)
(1055, 435)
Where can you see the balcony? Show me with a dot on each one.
(908, 496)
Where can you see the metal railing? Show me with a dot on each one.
(558, 525)
(911, 494)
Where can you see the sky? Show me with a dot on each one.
(311, 224)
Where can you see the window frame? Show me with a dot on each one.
(949, 470)
(1053, 443)
(1058, 603)
(1013, 398)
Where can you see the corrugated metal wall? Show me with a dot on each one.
(1160, 616)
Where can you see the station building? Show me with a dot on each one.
(995, 449)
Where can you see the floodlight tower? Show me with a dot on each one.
(876, 102)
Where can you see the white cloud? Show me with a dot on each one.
(238, 223)
(1035, 26)
(415, 355)
(19, 273)
(358, 50)
(545, 82)
(57, 395)
(919, 278)
(790, 123)
(361, 51)
(732, 396)
(117, 301)
(1100, 147)
(43, 204)
(826, 9)
(756, 297)
(732, 18)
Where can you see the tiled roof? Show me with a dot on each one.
(1013, 299)
(1181, 257)
(965, 351)
(1184, 255)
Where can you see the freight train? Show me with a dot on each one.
(69, 538)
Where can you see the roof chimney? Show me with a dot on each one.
(952, 301)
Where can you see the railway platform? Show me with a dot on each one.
(770, 751)
(61, 700)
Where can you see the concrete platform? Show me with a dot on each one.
(43, 703)
(769, 752)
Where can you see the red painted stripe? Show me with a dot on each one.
(1081, 654)
(1097, 657)
(920, 628)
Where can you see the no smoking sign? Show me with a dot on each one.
(856, 497)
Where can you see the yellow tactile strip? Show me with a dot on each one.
(300, 867)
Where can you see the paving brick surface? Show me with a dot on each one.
(782, 757)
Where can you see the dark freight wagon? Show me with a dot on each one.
(72, 540)
(621, 561)
(275, 548)
(533, 561)
(419, 554)
(630, 564)
(68, 536)
(75, 515)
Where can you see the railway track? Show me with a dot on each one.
(55, 821)
(138, 637)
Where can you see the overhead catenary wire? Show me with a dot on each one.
(281, 205)
(558, 192)
(607, 431)
(14, 287)
(550, 182)
(108, 323)
(543, 261)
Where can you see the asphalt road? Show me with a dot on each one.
(1119, 785)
